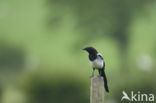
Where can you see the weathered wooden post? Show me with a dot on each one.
(97, 90)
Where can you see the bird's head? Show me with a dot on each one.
(90, 50)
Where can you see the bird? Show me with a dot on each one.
(97, 62)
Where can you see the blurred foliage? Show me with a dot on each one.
(11, 57)
(143, 83)
(103, 17)
(58, 90)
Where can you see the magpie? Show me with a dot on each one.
(97, 62)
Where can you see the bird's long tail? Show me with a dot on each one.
(102, 73)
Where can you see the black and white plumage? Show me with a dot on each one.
(98, 63)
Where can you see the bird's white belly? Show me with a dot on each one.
(97, 63)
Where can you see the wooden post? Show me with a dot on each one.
(97, 90)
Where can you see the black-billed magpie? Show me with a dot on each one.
(98, 63)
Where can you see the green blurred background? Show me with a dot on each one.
(41, 41)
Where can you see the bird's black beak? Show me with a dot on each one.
(84, 49)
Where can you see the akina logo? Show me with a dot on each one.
(137, 96)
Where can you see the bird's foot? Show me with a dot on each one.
(98, 76)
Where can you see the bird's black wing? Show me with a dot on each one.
(102, 59)
(100, 56)
(102, 73)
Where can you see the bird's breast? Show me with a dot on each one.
(97, 63)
